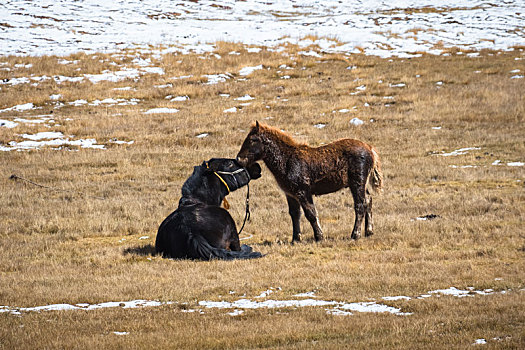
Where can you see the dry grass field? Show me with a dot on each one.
(87, 236)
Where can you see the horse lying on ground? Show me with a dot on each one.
(200, 228)
(302, 171)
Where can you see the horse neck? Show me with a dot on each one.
(201, 189)
(277, 152)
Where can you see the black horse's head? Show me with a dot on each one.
(216, 178)
(231, 174)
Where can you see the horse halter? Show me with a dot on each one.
(235, 183)
(247, 214)
(235, 180)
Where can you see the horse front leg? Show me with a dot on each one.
(294, 209)
(310, 212)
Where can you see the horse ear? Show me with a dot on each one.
(205, 166)
(257, 126)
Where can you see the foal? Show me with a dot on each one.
(302, 171)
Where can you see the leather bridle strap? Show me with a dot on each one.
(247, 213)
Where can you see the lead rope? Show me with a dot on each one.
(247, 214)
(225, 203)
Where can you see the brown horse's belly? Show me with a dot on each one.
(327, 185)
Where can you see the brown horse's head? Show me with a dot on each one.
(252, 148)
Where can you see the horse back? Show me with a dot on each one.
(333, 166)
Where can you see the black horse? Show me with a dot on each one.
(200, 228)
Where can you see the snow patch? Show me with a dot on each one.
(376, 28)
(43, 135)
(356, 122)
(305, 295)
(120, 333)
(216, 78)
(230, 110)
(19, 108)
(249, 70)
(180, 99)
(7, 124)
(238, 307)
(245, 98)
(459, 152)
(161, 110)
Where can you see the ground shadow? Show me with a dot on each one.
(144, 250)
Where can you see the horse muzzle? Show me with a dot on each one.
(243, 161)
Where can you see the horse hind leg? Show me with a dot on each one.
(369, 224)
(294, 209)
(358, 192)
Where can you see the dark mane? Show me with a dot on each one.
(192, 182)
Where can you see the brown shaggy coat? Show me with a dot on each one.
(302, 171)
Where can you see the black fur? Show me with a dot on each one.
(200, 228)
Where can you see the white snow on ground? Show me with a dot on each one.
(84, 306)
(305, 295)
(230, 110)
(377, 27)
(332, 307)
(217, 78)
(249, 70)
(43, 135)
(515, 164)
(56, 144)
(7, 124)
(266, 304)
(356, 122)
(54, 139)
(268, 292)
(19, 108)
(110, 76)
(179, 98)
(459, 152)
(161, 110)
(244, 98)
(399, 297)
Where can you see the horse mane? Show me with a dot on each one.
(193, 182)
(277, 134)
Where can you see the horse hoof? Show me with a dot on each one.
(354, 237)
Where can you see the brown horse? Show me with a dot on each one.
(302, 171)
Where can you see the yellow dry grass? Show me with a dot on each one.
(70, 246)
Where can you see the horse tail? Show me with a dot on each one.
(375, 178)
(200, 248)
